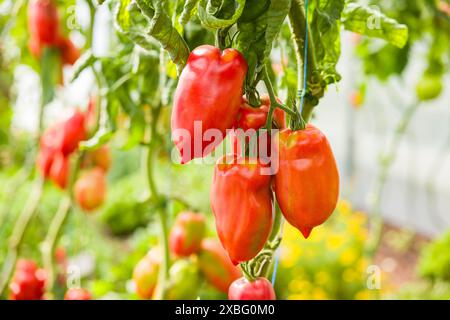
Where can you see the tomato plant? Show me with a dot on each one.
(178, 80)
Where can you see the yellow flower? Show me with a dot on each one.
(319, 294)
(335, 241)
(299, 285)
(348, 257)
(299, 296)
(364, 295)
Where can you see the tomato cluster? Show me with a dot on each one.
(301, 173)
(195, 256)
(45, 31)
(57, 145)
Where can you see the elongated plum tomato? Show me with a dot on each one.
(259, 289)
(145, 274)
(307, 181)
(90, 189)
(28, 281)
(187, 234)
(216, 266)
(241, 200)
(208, 96)
(43, 21)
(77, 294)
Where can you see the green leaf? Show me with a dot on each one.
(160, 28)
(256, 36)
(218, 14)
(188, 11)
(371, 22)
(325, 29)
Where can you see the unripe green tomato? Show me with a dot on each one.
(184, 281)
(429, 87)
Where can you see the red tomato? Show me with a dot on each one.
(208, 96)
(43, 22)
(259, 289)
(28, 282)
(216, 266)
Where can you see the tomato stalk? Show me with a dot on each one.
(48, 246)
(260, 266)
(274, 103)
(161, 207)
(51, 239)
(90, 33)
(34, 198)
(19, 230)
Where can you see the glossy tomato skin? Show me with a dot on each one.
(145, 274)
(259, 289)
(90, 189)
(43, 22)
(28, 281)
(216, 266)
(241, 200)
(187, 234)
(209, 93)
(77, 294)
(307, 181)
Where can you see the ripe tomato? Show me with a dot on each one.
(28, 282)
(258, 289)
(43, 21)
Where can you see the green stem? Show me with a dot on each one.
(51, 239)
(19, 230)
(162, 212)
(90, 33)
(297, 23)
(386, 162)
(56, 225)
(274, 103)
